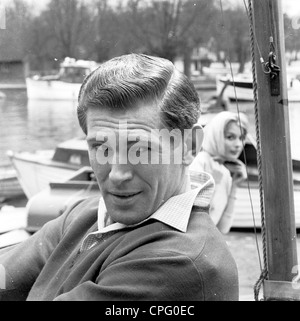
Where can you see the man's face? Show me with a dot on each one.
(132, 190)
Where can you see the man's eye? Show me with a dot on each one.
(141, 149)
(102, 148)
(105, 149)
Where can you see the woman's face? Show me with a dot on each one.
(233, 140)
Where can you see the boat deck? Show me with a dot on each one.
(247, 207)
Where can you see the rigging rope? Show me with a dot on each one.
(264, 272)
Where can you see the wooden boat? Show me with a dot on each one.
(13, 222)
(55, 199)
(217, 68)
(63, 86)
(241, 87)
(247, 206)
(36, 170)
(9, 184)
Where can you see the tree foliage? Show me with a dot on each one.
(101, 29)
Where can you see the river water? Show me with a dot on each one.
(34, 125)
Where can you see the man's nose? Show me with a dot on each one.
(120, 173)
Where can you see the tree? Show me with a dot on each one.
(232, 35)
(13, 38)
(108, 30)
(169, 28)
(69, 23)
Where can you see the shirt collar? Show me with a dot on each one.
(175, 212)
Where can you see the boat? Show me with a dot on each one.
(240, 87)
(63, 86)
(218, 68)
(58, 196)
(2, 95)
(19, 223)
(35, 170)
(247, 205)
(9, 184)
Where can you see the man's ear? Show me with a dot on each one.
(193, 139)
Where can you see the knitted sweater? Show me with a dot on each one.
(152, 261)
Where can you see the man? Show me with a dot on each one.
(149, 237)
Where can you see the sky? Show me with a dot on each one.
(291, 7)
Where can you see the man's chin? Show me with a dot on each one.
(127, 217)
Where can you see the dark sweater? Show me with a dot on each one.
(152, 261)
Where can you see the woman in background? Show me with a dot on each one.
(223, 143)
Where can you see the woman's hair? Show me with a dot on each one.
(243, 125)
(124, 81)
(214, 132)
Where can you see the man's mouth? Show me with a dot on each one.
(125, 195)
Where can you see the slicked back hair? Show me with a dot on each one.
(123, 82)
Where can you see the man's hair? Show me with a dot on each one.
(124, 81)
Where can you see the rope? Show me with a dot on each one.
(264, 272)
(237, 109)
(253, 38)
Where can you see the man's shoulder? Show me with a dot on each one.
(160, 237)
(81, 211)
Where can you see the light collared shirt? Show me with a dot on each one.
(175, 212)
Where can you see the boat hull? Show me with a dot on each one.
(58, 196)
(242, 88)
(248, 199)
(52, 89)
(35, 175)
(9, 184)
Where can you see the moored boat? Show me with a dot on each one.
(9, 184)
(63, 86)
(58, 196)
(36, 170)
(241, 87)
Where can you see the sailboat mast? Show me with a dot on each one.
(273, 115)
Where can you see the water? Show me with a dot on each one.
(33, 125)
